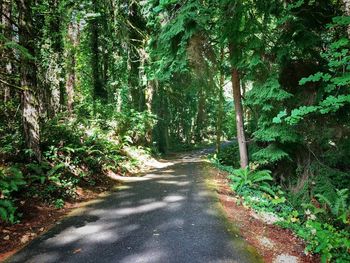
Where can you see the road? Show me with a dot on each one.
(169, 215)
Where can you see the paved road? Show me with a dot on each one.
(166, 216)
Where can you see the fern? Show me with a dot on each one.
(7, 211)
(10, 180)
(338, 207)
(242, 178)
(270, 154)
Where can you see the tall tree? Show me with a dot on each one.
(71, 46)
(28, 71)
(96, 48)
(234, 10)
(6, 56)
(237, 99)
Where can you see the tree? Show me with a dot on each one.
(6, 57)
(28, 71)
(235, 11)
(71, 46)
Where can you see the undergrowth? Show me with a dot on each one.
(75, 154)
(323, 223)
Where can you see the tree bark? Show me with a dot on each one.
(149, 100)
(6, 56)
(220, 113)
(239, 118)
(347, 12)
(71, 62)
(221, 105)
(28, 71)
(99, 89)
(57, 85)
(162, 125)
(200, 118)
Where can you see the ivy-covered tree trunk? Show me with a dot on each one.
(149, 100)
(28, 71)
(347, 12)
(99, 89)
(73, 35)
(6, 63)
(56, 83)
(236, 88)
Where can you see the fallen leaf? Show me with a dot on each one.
(78, 250)
(7, 237)
(24, 239)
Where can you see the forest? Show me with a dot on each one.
(80, 81)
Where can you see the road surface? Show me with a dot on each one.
(168, 215)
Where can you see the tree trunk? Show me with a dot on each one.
(162, 125)
(149, 99)
(57, 85)
(28, 70)
(220, 113)
(347, 12)
(6, 56)
(221, 105)
(239, 118)
(71, 62)
(200, 118)
(99, 89)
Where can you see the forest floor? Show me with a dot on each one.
(169, 215)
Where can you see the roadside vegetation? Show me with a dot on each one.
(322, 222)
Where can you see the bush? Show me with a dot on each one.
(229, 155)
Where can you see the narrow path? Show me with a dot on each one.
(166, 216)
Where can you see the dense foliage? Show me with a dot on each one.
(80, 80)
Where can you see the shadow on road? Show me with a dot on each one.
(167, 216)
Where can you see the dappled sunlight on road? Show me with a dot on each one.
(165, 216)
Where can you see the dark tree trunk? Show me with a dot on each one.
(220, 113)
(200, 118)
(162, 125)
(57, 86)
(99, 89)
(28, 70)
